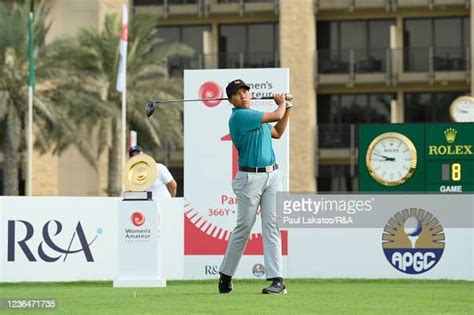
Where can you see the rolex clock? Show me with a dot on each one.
(391, 159)
(462, 109)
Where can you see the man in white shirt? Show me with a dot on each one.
(164, 186)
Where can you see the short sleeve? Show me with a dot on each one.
(249, 119)
(164, 174)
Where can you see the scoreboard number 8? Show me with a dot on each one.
(451, 172)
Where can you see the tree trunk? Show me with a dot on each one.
(114, 185)
(10, 153)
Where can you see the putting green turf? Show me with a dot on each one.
(308, 296)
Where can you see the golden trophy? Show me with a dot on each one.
(138, 175)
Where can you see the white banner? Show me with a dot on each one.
(57, 239)
(358, 253)
(76, 238)
(210, 163)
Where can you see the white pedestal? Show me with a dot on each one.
(139, 245)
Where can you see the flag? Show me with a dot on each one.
(31, 53)
(123, 51)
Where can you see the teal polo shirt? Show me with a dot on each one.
(251, 137)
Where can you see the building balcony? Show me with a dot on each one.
(243, 7)
(262, 59)
(337, 144)
(205, 8)
(392, 66)
(351, 67)
(387, 5)
(349, 5)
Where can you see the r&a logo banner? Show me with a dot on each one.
(55, 242)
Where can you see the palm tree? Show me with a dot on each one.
(92, 62)
(14, 88)
(54, 130)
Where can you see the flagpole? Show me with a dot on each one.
(29, 178)
(124, 119)
(31, 79)
(122, 80)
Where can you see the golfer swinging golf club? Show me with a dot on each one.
(256, 183)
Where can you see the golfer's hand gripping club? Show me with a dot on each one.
(150, 108)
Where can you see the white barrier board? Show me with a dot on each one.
(75, 238)
(58, 238)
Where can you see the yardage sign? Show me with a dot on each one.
(417, 157)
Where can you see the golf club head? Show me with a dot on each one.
(150, 108)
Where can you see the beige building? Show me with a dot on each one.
(350, 61)
(69, 174)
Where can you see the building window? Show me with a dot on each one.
(190, 35)
(338, 178)
(358, 45)
(338, 117)
(337, 112)
(248, 45)
(429, 107)
(354, 108)
(440, 43)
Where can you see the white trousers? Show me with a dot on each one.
(254, 190)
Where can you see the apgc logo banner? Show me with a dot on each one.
(413, 241)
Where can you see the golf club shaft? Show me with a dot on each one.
(152, 105)
(190, 100)
(212, 99)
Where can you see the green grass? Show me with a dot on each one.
(308, 296)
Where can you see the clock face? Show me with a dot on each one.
(391, 159)
(462, 109)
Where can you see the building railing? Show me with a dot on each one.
(204, 8)
(164, 2)
(436, 59)
(262, 59)
(245, 1)
(336, 156)
(337, 136)
(321, 5)
(385, 64)
(387, 5)
(352, 60)
(381, 60)
(393, 65)
(178, 2)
